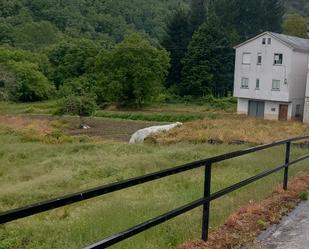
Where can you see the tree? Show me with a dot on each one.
(35, 35)
(208, 64)
(176, 42)
(30, 85)
(79, 86)
(250, 17)
(197, 14)
(23, 75)
(296, 25)
(82, 106)
(132, 72)
(71, 59)
(8, 84)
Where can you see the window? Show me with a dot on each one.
(244, 82)
(278, 59)
(259, 59)
(269, 41)
(297, 112)
(276, 85)
(264, 41)
(246, 58)
(257, 84)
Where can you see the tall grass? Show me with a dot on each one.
(31, 171)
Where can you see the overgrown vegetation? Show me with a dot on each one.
(231, 128)
(32, 171)
(243, 226)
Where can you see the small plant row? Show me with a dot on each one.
(158, 117)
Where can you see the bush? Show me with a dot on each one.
(78, 105)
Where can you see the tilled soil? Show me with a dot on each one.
(110, 129)
(119, 130)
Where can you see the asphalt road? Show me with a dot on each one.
(291, 233)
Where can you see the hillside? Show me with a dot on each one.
(105, 20)
(93, 19)
(298, 6)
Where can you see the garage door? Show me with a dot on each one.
(256, 109)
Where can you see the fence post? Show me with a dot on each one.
(206, 206)
(286, 169)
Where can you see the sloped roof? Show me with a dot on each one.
(294, 42)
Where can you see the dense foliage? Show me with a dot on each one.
(296, 25)
(133, 72)
(208, 64)
(119, 51)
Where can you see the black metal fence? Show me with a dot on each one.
(36, 208)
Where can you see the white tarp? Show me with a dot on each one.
(140, 135)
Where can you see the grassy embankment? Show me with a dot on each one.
(31, 171)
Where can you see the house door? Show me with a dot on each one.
(256, 109)
(283, 112)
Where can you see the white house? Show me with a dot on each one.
(271, 74)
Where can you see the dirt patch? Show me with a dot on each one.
(119, 130)
(110, 129)
(242, 227)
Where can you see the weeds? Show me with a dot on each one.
(232, 129)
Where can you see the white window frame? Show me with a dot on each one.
(277, 60)
(244, 83)
(269, 41)
(246, 58)
(257, 84)
(264, 41)
(259, 56)
(275, 85)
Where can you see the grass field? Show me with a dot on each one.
(31, 171)
(39, 161)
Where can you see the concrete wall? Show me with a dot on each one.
(242, 106)
(266, 72)
(306, 104)
(271, 111)
(306, 111)
(298, 76)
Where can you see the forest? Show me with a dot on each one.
(89, 53)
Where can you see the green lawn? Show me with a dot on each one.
(32, 171)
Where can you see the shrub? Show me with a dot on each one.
(78, 105)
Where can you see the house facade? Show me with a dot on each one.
(271, 75)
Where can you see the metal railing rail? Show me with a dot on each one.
(36, 208)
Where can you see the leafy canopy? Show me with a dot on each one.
(296, 25)
(132, 72)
